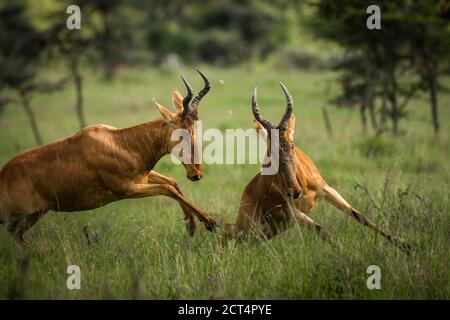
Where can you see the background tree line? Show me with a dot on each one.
(380, 71)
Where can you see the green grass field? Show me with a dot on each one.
(144, 251)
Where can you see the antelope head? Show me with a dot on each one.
(185, 119)
(284, 141)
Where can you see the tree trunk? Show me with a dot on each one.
(327, 121)
(383, 109)
(434, 103)
(373, 117)
(107, 49)
(370, 103)
(394, 105)
(78, 81)
(394, 115)
(31, 118)
(362, 110)
(369, 92)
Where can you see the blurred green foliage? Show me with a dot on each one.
(222, 32)
(408, 53)
(381, 70)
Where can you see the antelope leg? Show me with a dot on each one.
(332, 196)
(304, 220)
(19, 227)
(157, 178)
(148, 190)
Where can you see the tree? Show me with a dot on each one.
(430, 46)
(223, 32)
(99, 41)
(357, 81)
(72, 45)
(112, 37)
(410, 31)
(21, 47)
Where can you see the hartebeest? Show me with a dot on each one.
(272, 203)
(101, 164)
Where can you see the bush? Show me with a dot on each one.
(222, 48)
(164, 39)
(235, 32)
(294, 57)
(375, 146)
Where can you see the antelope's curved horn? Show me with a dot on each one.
(287, 114)
(202, 92)
(264, 122)
(187, 99)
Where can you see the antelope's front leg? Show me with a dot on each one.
(148, 190)
(304, 220)
(157, 178)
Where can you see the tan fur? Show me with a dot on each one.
(177, 100)
(98, 165)
(264, 207)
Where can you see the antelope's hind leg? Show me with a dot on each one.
(332, 196)
(17, 228)
(189, 221)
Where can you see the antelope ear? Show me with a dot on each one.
(177, 100)
(290, 128)
(260, 129)
(166, 114)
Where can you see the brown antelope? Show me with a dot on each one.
(272, 203)
(101, 164)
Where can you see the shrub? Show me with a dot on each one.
(375, 146)
(164, 39)
(222, 48)
(299, 58)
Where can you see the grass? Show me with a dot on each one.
(144, 252)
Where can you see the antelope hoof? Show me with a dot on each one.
(210, 225)
(190, 227)
(22, 244)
